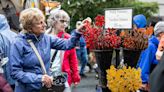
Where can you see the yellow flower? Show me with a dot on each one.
(123, 79)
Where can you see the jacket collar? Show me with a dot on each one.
(32, 36)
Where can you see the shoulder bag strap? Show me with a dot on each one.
(38, 55)
(56, 51)
(3, 47)
(54, 55)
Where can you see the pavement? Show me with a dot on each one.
(87, 84)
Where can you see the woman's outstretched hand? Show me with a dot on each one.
(82, 26)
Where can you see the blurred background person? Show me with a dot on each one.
(156, 78)
(139, 22)
(148, 61)
(160, 49)
(10, 36)
(4, 85)
(81, 52)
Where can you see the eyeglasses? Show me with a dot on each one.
(64, 21)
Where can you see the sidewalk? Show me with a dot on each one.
(87, 84)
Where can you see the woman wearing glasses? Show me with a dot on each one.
(59, 21)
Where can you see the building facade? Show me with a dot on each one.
(161, 6)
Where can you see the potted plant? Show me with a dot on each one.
(99, 38)
(133, 42)
(102, 42)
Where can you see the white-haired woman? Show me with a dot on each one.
(25, 66)
(59, 21)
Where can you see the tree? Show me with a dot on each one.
(80, 9)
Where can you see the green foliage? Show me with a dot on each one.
(148, 9)
(80, 9)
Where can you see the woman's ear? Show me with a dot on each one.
(54, 23)
(29, 29)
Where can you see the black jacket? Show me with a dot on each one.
(157, 77)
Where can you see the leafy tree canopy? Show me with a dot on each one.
(80, 9)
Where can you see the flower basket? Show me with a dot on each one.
(124, 79)
(98, 38)
(131, 57)
(102, 42)
(134, 40)
(133, 43)
(103, 58)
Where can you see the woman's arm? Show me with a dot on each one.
(65, 44)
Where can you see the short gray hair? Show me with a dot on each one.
(159, 28)
(57, 15)
(29, 16)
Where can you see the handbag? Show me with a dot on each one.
(58, 84)
(58, 81)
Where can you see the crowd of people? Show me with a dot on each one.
(20, 67)
(147, 60)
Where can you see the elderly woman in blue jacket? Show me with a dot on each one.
(25, 66)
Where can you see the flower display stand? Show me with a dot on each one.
(117, 57)
(103, 58)
(131, 57)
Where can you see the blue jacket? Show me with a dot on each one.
(5, 28)
(7, 39)
(3, 49)
(81, 43)
(25, 66)
(148, 58)
(140, 21)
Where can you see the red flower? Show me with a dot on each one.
(99, 20)
(99, 38)
(102, 39)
